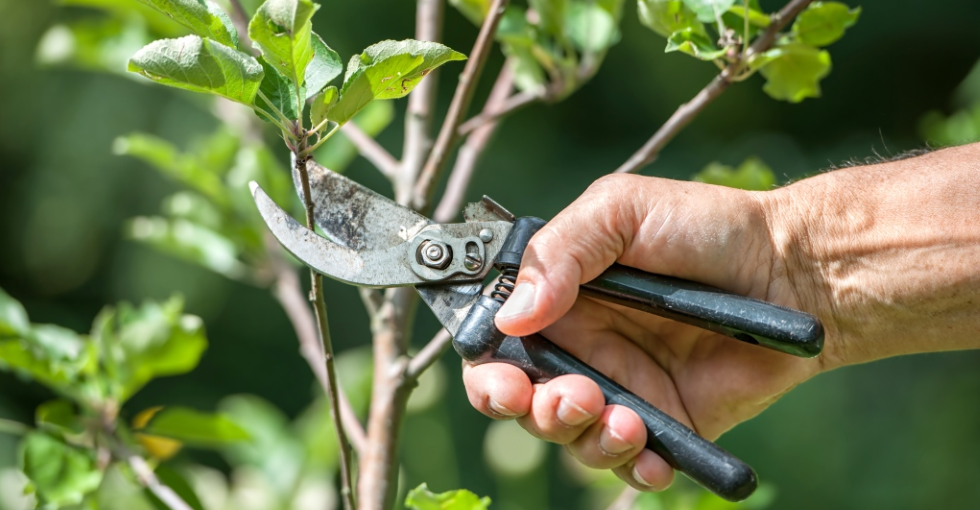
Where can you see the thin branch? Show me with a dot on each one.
(509, 106)
(457, 108)
(689, 110)
(289, 293)
(625, 499)
(421, 104)
(320, 310)
(469, 154)
(429, 354)
(147, 478)
(371, 150)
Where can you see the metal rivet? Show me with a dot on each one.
(472, 261)
(486, 235)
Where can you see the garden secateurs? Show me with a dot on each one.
(372, 241)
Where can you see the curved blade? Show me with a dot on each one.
(365, 268)
(355, 216)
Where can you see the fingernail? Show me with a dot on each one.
(519, 303)
(639, 479)
(499, 409)
(570, 414)
(612, 443)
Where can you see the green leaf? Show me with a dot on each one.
(325, 66)
(514, 28)
(189, 241)
(51, 355)
(708, 11)
(474, 10)
(282, 31)
(140, 344)
(822, 23)
(279, 90)
(60, 474)
(757, 18)
(101, 44)
(322, 105)
(58, 417)
(420, 498)
(195, 427)
(694, 44)
(591, 28)
(13, 317)
(551, 14)
(529, 75)
(200, 65)
(793, 71)
(273, 448)
(203, 17)
(668, 16)
(752, 174)
(166, 158)
(193, 208)
(387, 70)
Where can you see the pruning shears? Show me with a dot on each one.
(372, 241)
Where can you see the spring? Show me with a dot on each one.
(505, 284)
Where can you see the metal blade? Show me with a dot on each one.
(355, 216)
(365, 268)
(451, 303)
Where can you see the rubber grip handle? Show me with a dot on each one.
(746, 319)
(479, 341)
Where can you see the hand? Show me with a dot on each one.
(714, 235)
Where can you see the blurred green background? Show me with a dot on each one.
(896, 434)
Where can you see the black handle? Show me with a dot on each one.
(479, 341)
(746, 319)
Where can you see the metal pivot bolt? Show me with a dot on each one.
(435, 254)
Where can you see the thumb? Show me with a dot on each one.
(574, 247)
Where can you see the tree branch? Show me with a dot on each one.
(421, 104)
(507, 107)
(469, 154)
(320, 310)
(689, 110)
(457, 108)
(625, 499)
(429, 354)
(147, 478)
(371, 150)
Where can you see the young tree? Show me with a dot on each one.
(268, 59)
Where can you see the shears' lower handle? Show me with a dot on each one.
(479, 341)
(746, 319)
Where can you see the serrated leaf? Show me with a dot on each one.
(194, 427)
(203, 17)
(752, 174)
(793, 71)
(325, 66)
(823, 23)
(421, 498)
(280, 91)
(387, 70)
(282, 31)
(140, 344)
(60, 474)
(591, 28)
(694, 44)
(13, 317)
(58, 417)
(200, 65)
(474, 10)
(668, 16)
(708, 11)
(322, 105)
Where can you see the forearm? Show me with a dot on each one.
(888, 256)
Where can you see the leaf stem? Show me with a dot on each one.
(319, 142)
(272, 119)
(282, 117)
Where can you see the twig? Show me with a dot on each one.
(509, 106)
(371, 150)
(147, 478)
(421, 103)
(12, 427)
(289, 293)
(689, 110)
(320, 310)
(469, 154)
(625, 499)
(429, 354)
(457, 108)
